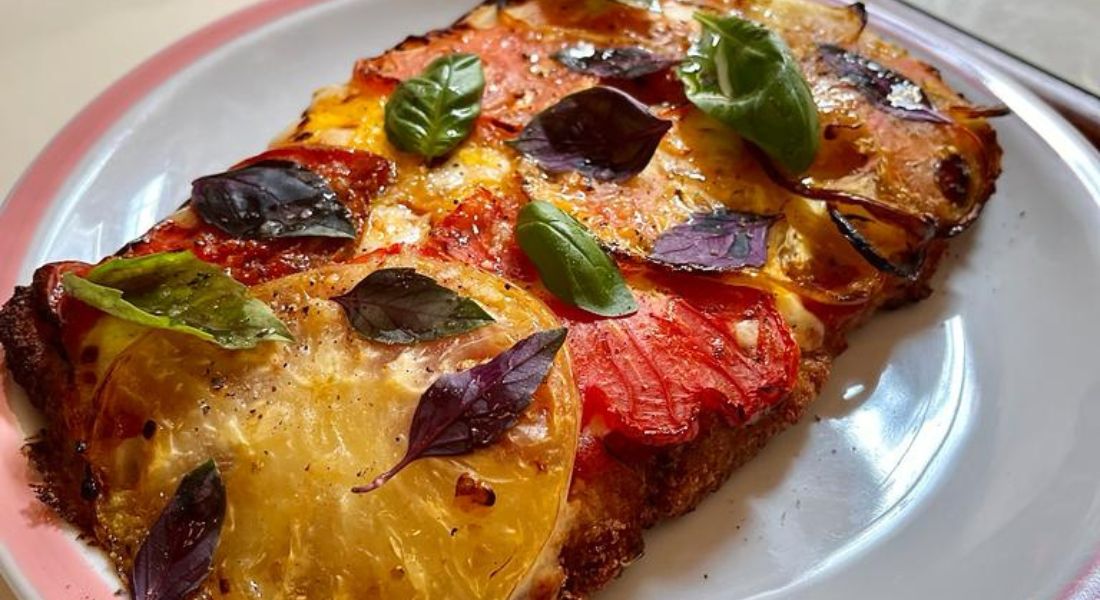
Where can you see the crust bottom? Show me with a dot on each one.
(612, 511)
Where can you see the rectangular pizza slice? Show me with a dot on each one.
(517, 291)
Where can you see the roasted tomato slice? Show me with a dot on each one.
(480, 231)
(355, 176)
(295, 426)
(522, 78)
(695, 343)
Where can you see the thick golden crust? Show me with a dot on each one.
(637, 492)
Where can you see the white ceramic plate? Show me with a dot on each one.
(953, 454)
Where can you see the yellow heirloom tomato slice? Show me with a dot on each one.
(293, 427)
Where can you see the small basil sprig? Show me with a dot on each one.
(271, 199)
(745, 76)
(722, 240)
(433, 112)
(571, 263)
(176, 291)
(177, 553)
(401, 306)
(471, 409)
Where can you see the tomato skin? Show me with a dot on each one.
(521, 76)
(247, 261)
(648, 376)
(480, 231)
(355, 176)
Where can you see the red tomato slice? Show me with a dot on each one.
(355, 176)
(695, 343)
(521, 76)
(481, 232)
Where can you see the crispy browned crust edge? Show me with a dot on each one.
(30, 336)
(612, 511)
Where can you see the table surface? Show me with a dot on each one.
(47, 82)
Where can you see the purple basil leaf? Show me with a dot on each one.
(462, 412)
(176, 555)
(612, 63)
(271, 199)
(887, 89)
(719, 241)
(401, 306)
(601, 132)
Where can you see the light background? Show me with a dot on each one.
(56, 55)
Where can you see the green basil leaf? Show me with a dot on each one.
(653, 6)
(433, 112)
(745, 76)
(176, 291)
(401, 306)
(571, 263)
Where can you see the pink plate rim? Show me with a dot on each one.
(37, 557)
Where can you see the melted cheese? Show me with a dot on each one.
(693, 171)
(293, 427)
(390, 224)
(808, 330)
